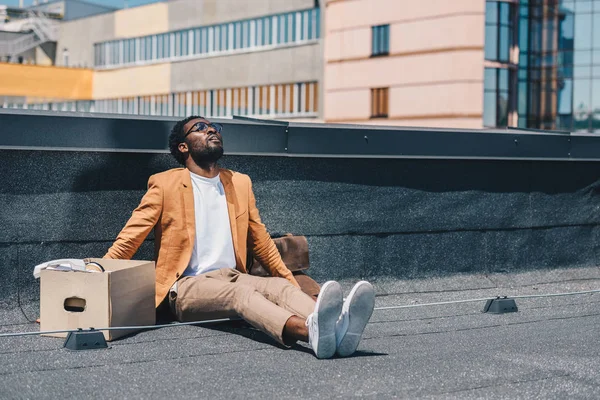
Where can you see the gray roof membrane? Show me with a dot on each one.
(546, 350)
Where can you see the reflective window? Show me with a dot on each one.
(566, 32)
(596, 29)
(595, 92)
(563, 87)
(584, 6)
(583, 30)
(498, 30)
(582, 57)
(565, 99)
(581, 104)
(567, 5)
(496, 97)
(184, 43)
(237, 35)
(489, 97)
(160, 47)
(380, 40)
(281, 29)
(523, 71)
(595, 108)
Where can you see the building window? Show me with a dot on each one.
(496, 97)
(276, 30)
(379, 103)
(523, 71)
(275, 101)
(380, 40)
(498, 30)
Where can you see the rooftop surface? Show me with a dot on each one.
(427, 215)
(546, 350)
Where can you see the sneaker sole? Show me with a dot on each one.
(329, 306)
(362, 303)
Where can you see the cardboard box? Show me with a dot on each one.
(123, 295)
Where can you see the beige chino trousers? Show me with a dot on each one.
(265, 303)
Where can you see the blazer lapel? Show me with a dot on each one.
(187, 193)
(230, 197)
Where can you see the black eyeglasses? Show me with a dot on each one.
(203, 127)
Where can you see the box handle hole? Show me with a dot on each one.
(75, 304)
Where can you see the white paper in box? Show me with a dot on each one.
(123, 295)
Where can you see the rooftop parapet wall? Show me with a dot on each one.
(365, 216)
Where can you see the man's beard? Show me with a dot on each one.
(207, 155)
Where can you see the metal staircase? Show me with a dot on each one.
(42, 30)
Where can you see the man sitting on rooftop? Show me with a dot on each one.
(205, 218)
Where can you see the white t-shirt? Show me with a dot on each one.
(213, 248)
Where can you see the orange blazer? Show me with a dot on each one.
(168, 207)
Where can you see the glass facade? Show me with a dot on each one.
(557, 81)
(253, 34)
(500, 40)
(578, 65)
(496, 97)
(498, 30)
(550, 66)
(522, 87)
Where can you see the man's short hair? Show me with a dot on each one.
(177, 136)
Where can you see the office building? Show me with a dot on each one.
(559, 73)
(460, 63)
(464, 63)
(216, 58)
(399, 62)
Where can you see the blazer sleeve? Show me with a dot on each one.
(142, 220)
(263, 247)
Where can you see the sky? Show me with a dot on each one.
(111, 3)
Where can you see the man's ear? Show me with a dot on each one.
(183, 148)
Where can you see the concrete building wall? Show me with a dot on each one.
(45, 54)
(26, 57)
(129, 82)
(141, 21)
(432, 84)
(434, 70)
(190, 13)
(79, 36)
(288, 65)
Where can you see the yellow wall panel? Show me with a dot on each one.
(141, 21)
(45, 82)
(134, 81)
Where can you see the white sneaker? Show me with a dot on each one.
(356, 312)
(321, 323)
